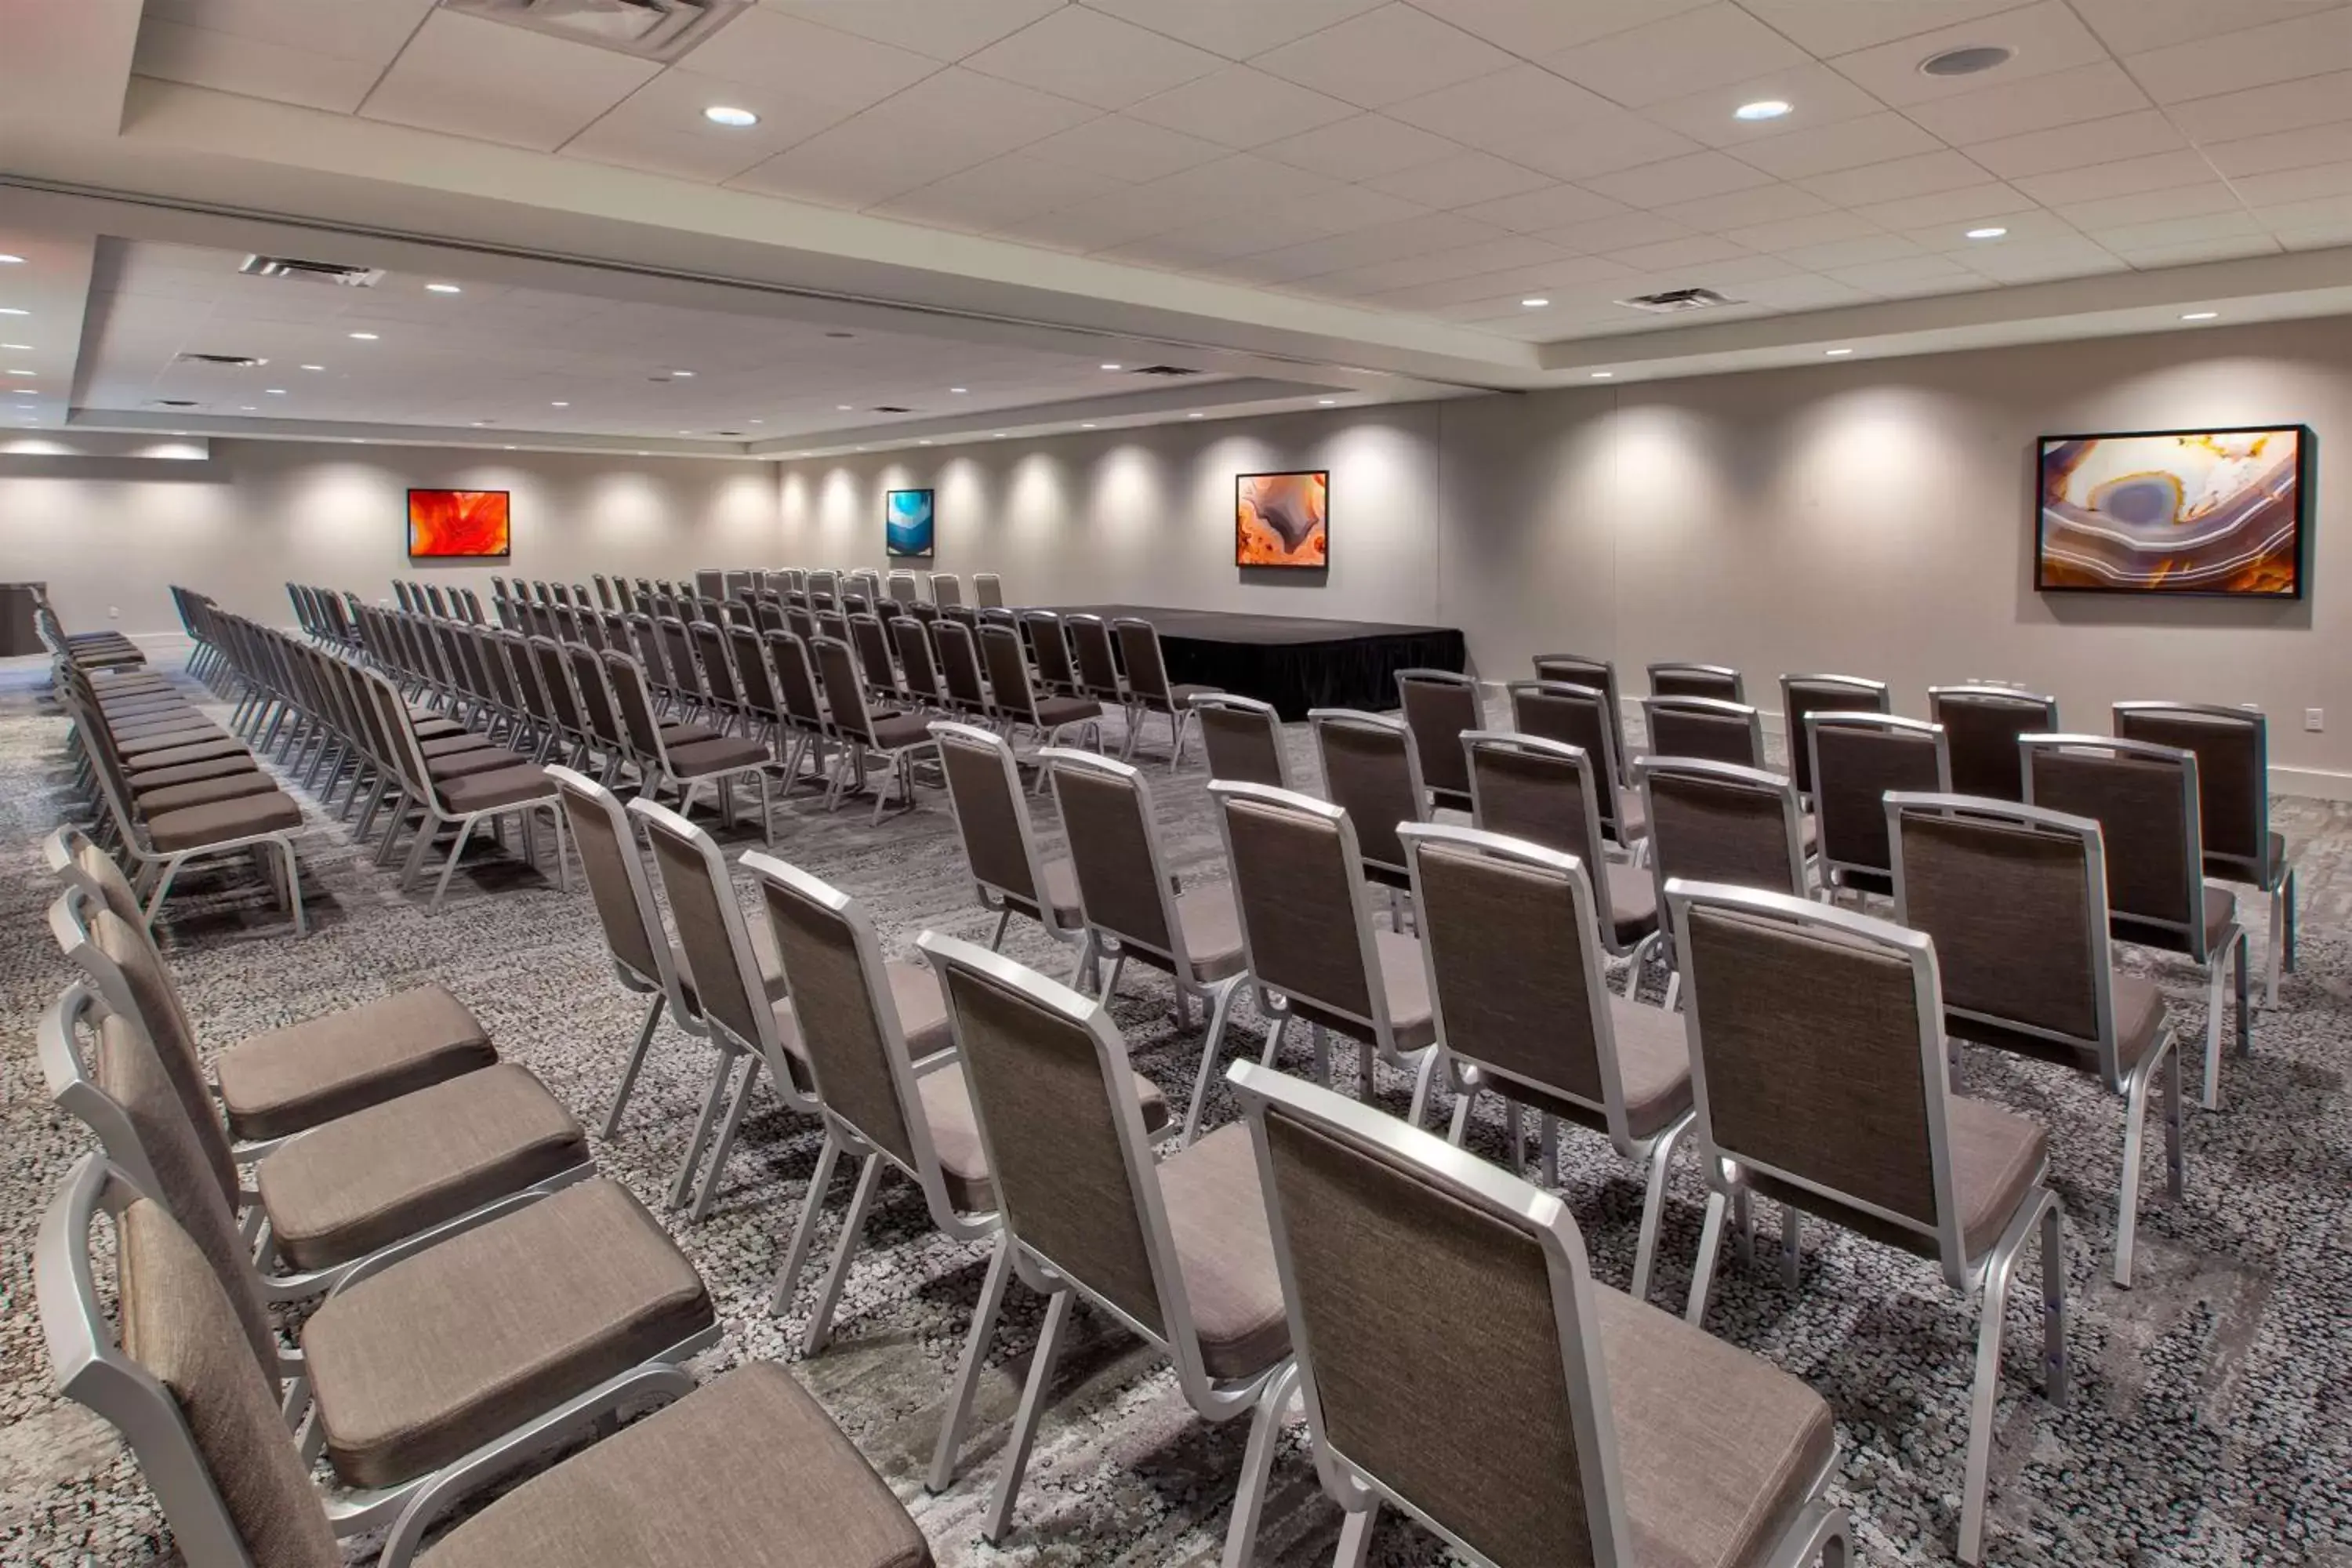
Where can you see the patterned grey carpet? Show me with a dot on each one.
(2211, 1420)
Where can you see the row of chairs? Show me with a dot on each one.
(616, 593)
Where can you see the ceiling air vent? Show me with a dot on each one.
(333, 272)
(1163, 370)
(171, 403)
(889, 408)
(225, 362)
(1674, 301)
(649, 29)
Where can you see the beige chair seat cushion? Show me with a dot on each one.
(719, 754)
(191, 828)
(276, 1084)
(2139, 1019)
(1054, 711)
(687, 734)
(745, 1472)
(507, 787)
(1995, 1157)
(172, 737)
(432, 726)
(1652, 1064)
(902, 730)
(482, 760)
(2220, 909)
(363, 1181)
(199, 751)
(1633, 900)
(453, 742)
(420, 1364)
(220, 767)
(1216, 1217)
(1212, 931)
(201, 791)
(1716, 1448)
(922, 1006)
(1406, 982)
(955, 1129)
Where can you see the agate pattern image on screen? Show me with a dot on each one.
(1283, 519)
(907, 522)
(445, 523)
(2174, 512)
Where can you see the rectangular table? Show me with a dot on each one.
(1295, 662)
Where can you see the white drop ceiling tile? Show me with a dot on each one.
(2262, 111)
(1556, 206)
(2141, 133)
(1362, 148)
(1515, 254)
(371, 31)
(1236, 181)
(1126, 148)
(1620, 233)
(2098, 91)
(1239, 107)
(1818, 98)
(1696, 251)
(769, 47)
(1734, 275)
(2282, 151)
(1203, 246)
(678, 153)
(1116, 219)
(1389, 242)
(2307, 44)
(2291, 186)
(2303, 215)
(943, 29)
(2129, 176)
(1994, 200)
(1084, 55)
(2197, 253)
(1795, 234)
(1606, 145)
(1743, 209)
(2042, 261)
(2210, 229)
(2150, 206)
(1685, 179)
(943, 123)
(473, 78)
(1504, 111)
(1910, 275)
(2130, 26)
(2024, 229)
(1676, 55)
(1803, 291)
(1237, 29)
(1524, 283)
(1828, 27)
(2325, 235)
(255, 67)
(1344, 209)
(1533, 28)
(1849, 144)
(2046, 37)
(1924, 175)
(660, 127)
(999, 192)
(1467, 177)
(1385, 57)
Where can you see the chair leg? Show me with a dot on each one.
(1793, 1247)
(1710, 1242)
(2176, 1171)
(294, 886)
(2128, 1188)
(163, 888)
(967, 1378)
(1654, 1205)
(1025, 1421)
(2217, 975)
(853, 1229)
(1274, 1039)
(1220, 1010)
(2290, 920)
(2274, 943)
(1422, 1076)
(1258, 1465)
(1356, 1536)
(726, 1144)
(719, 1076)
(787, 1273)
(1463, 1101)
(629, 1070)
(2242, 950)
(449, 866)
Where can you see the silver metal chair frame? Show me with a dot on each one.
(1226, 702)
(1566, 755)
(1855, 685)
(1440, 677)
(1832, 872)
(1672, 667)
(1727, 774)
(993, 897)
(1613, 761)
(1704, 707)
(1319, 720)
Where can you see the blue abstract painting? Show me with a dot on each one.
(907, 522)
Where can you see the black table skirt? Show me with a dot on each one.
(1296, 663)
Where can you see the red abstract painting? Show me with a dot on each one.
(1283, 519)
(456, 522)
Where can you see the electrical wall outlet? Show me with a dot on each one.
(2314, 719)
(113, 611)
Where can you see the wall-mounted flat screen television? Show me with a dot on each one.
(2174, 512)
(457, 524)
(1283, 519)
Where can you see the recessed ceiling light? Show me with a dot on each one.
(1837, 354)
(509, 448)
(1604, 376)
(1535, 303)
(2201, 316)
(363, 337)
(1000, 435)
(685, 374)
(1762, 108)
(922, 443)
(959, 390)
(755, 422)
(1087, 424)
(840, 407)
(478, 424)
(25, 348)
(1195, 416)
(1110, 367)
(1327, 402)
(275, 391)
(23, 373)
(8, 261)
(12, 311)
(26, 392)
(725, 114)
(314, 367)
(443, 289)
(1986, 233)
(247, 408)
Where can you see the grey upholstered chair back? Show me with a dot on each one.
(1705, 727)
(800, 621)
(1298, 887)
(988, 590)
(960, 664)
(1983, 725)
(1051, 648)
(129, 973)
(984, 794)
(757, 679)
(873, 646)
(919, 671)
(1718, 681)
(1139, 650)
(1440, 707)
(1802, 695)
(636, 701)
(902, 588)
(598, 706)
(709, 639)
(1114, 850)
(1856, 758)
(1710, 822)
(795, 680)
(1585, 716)
(845, 689)
(1397, 1250)
(2233, 795)
(1091, 640)
(946, 589)
(710, 931)
(1243, 739)
(1370, 772)
(2145, 799)
(617, 876)
(1008, 673)
(1523, 786)
(1596, 673)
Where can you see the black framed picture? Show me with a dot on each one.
(908, 523)
(2221, 513)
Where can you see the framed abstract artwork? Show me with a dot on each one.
(2221, 512)
(457, 524)
(907, 522)
(1283, 519)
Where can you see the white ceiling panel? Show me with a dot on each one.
(1557, 206)
(1924, 175)
(1684, 179)
(1384, 57)
(1967, 204)
(2124, 136)
(943, 29)
(1344, 209)
(2150, 207)
(2045, 37)
(1620, 233)
(256, 68)
(2211, 228)
(1864, 251)
(1795, 234)
(771, 48)
(2043, 261)
(1364, 147)
(1508, 110)
(471, 78)
(2134, 27)
(2124, 177)
(2259, 111)
(1803, 291)
(1829, 27)
(1911, 276)
(1517, 253)
(1849, 144)
(1239, 107)
(1817, 96)
(1471, 177)
(2100, 90)
(1126, 148)
(2022, 229)
(999, 192)
(2290, 185)
(1743, 209)
(660, 127)
(1237, 29)
(1534, 28)
(1093, 58)
(1679, 253)
(2309, 45)
(2196, 253)
(2282, 150)
(1710, 46)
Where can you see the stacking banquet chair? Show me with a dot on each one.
(1594, 674)
(1817, 1052)
(171, 1367)
(1371, 771)
(1299, 884)
(1017, 704)
(744, 1011)
(2144, 797)
(1575, 1426)
(900, 740)
(901, 587)
(1134, 908)
(1097, 652)
(685, 766)
(918, 667)
(1523, 1007)
(1148, 690)
(1526, 787)
(1712, 822)
(946, 589)
(1720, 681)
(1242, 738)
(1801, 696)
(871, 642)
(988, 590)
(1705, 727)
(1049, 648)
(1174, 1250)
(1586, 717)
(2015, 898)
(1440, 707)
(1009, 876)
(2233, 794)
(803, 702)
(1855, 759)
(957, 645)
(1984, 723)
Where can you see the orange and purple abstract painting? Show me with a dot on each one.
(444, 523)
(2175, 511)
(1283, 519)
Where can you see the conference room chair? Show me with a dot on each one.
(800, 621)
(868, 584)
(1134, 908)
(768, 614)
(1097, 652)
(605, 599)
(854, 604)
(755, 680)
(1596, 674)
(1983, 723)
(1718, 681)
(2015, 897)
(1175, 1249)
(1010, 876)
(440, 607)
(806, 715)
(957, 645)
(1148, 689)
(1802, 695)
(919, 668)
(1817, 1052)
(1586, 717)
(900, 588)
(872, 644)
(1049, 650)
(1523, 1009)
(1242, 738)
(722, 692)
(746, 1015)
(1705, 727)
(1441, 706)
(898, 741)
(1713, 822)
(1544, 792)
(1017, 705)
(2233, 795)
(1371, 771)
(946, 589)
(1856, 758)
(1576, 1426)
(2144, 797)
(685, 767)
(1298, 886)
(988, 590)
